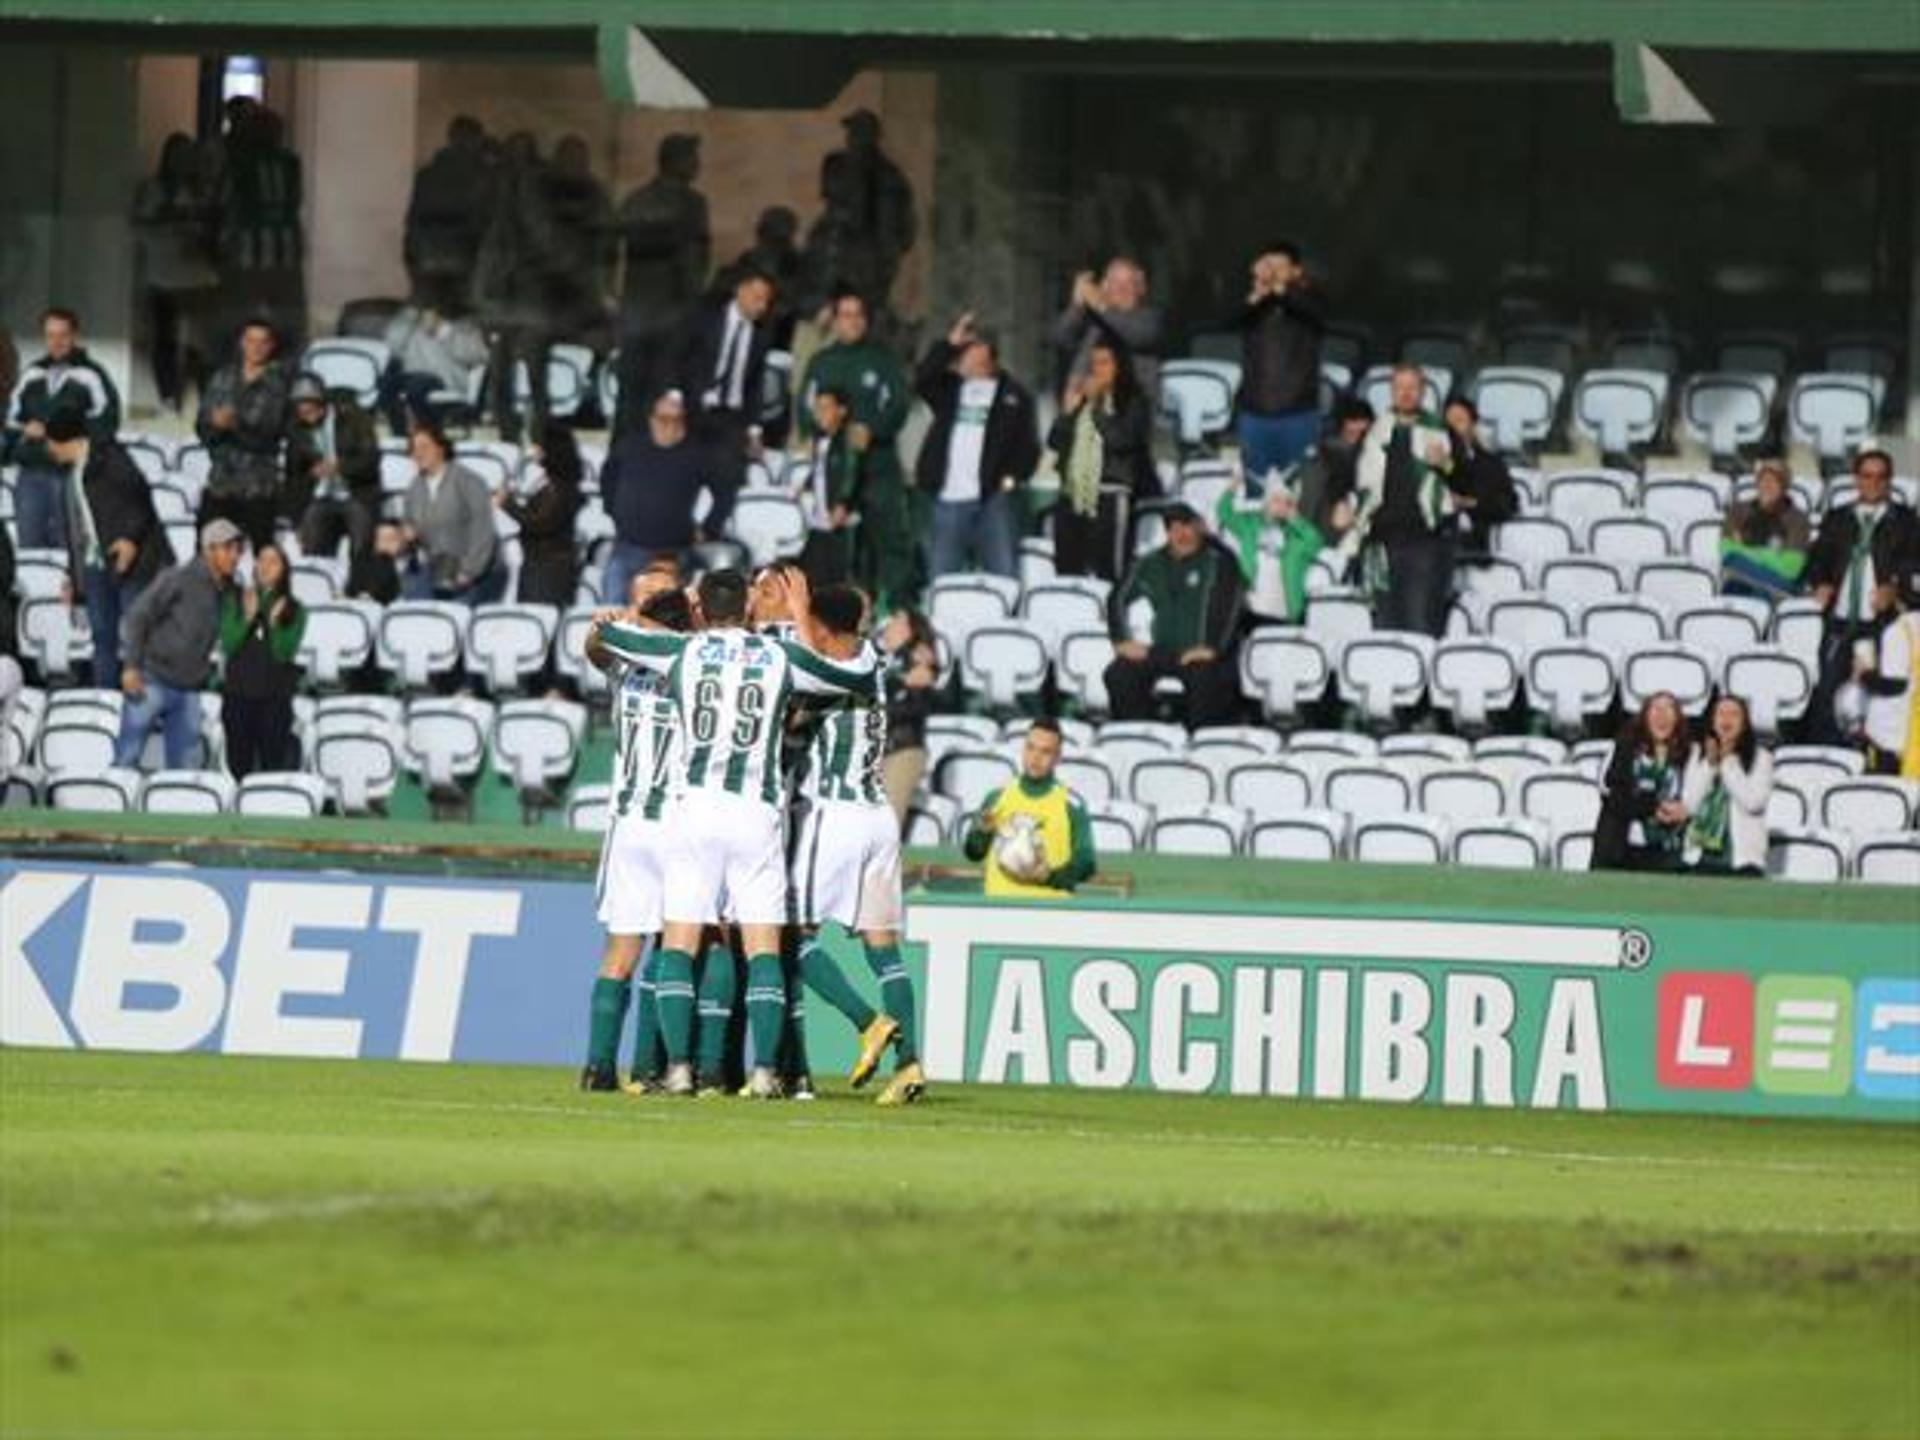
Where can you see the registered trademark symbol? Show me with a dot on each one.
(1636, 948)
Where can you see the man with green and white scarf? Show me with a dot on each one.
(1409, 491)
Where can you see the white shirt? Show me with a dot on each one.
(969, 437)
(728, 391)
(817, 483)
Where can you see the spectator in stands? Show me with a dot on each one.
(432, 352)
(868, 222)
(1036, 802)
(243, 422)
(173, 220)
(544, 502)
(1728, 784)
(775, 253)
(581, 263)
(260, 630)
(1892, 683)
(1324, 483)
(913, 675)
(262, 234)
(1174, 617)
(1113, 308)
(887, 550)
(446, 218)
(115, 542)
(510, 287)
(1864, 565)
(167, 645)
(1642, 815)
(333, 468)
(835, 472)
(667, 246)
(1275, 545)
(1103, 446)
(979, 453)
(720, 364)
(1764, 543)
(650, 487)
(1483, 495)
(449, 526)
(375, 574)
(1407, 488)
(65, 378)
(1281, 323)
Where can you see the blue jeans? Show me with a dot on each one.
(40, 509)
(108, 598)
(626, 560)
(177, 710)
(1274, 442)
(983, 528)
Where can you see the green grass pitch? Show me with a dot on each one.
(228, 1247)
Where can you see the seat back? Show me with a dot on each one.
(288, 794)
(508, 643)
(345, 363)
(1619, 409)
(1517, 405)
(419, 639)
(1004, 663)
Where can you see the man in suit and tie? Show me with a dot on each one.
(723, 355)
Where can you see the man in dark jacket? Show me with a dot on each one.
(64, 379)
(982, 448)
(167, 648)
(719, 365)
(650, 485)
(333, 469)
(115, 542)
(666, 245)
(1174, 616)
(243, 423)
(446, 216)
(1863, 569)
(1281, 324)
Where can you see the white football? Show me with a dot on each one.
(1018, 850)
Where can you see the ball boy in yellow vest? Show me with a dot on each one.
(1033, 834)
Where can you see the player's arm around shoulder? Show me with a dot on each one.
(1081, 861)
(623, 640)
(815, 674)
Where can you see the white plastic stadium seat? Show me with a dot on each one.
(1196, 397)
(969, 776)
(1866, 805)
(506, 645)
(418, 640)
(1384, 671)
(1083, 658)
(1501, 844)
(1677, 584)
(1517, 405)
(1619, 410)
(316, 579)
(1685, 671)
(1059, 609)
(590, 806)
(569, 652)
(446, 741)
(536, 744)
(39, 574)
(1121, 826)
(1718, 630)
(1366, 792)
(1335, 617)
(1268, 787)
(1462, 793)
(1197, 830)
(1788, 807)
(772, 526)
(186, 792)
(76, 742)
(1564, 799)
(1580, 498)
(1529, 621)
(495, 461)
(348, 364)
(1623, 625)
(1580, 580)
(1003, 663)
(1203, 482)
(1411, 839)
(1726, 412)
(958, 606)
(1570, 682)
(1573, 850)
(106, 789)
(1775, 684)
(1811, 856)
(360, 763)
(1284, 669)
(1441, 750)
(1833, 413)
(1628, 541)
(1888, 860)
(54, 635)
(1303, 835)
(1679, 501)
(1531, 542)
(1089, 777)
(1170, 782)
(287, 794)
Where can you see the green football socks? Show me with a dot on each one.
(896, 997)
(649, 1059)
(827, 981)
(673, 993)
(766, 1007)
(718, 987)
(609, 1012)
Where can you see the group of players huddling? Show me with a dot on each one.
(747, 812)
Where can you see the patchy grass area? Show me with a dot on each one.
(228, 1247)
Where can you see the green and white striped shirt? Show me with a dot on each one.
(646, 728)
(848, 745)
(730, 690)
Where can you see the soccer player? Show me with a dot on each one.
(846, 856)
(633, 854)
(731, 689)
(1039, 802)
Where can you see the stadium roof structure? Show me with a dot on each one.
(1669, 58)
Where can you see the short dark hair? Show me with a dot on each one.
(1352, 407)
(261, 322)
(670, 608)
(1458, 398)
(59, 312)
(433, 430)
(1282, 247)
(836, 394)
(840, 608)
(1873, 453)
(723, 597)
(1046, 725)
(844, 291)
(752, 271)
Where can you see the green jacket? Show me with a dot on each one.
(1195, 601)
(1292, 543)
(876, 382)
